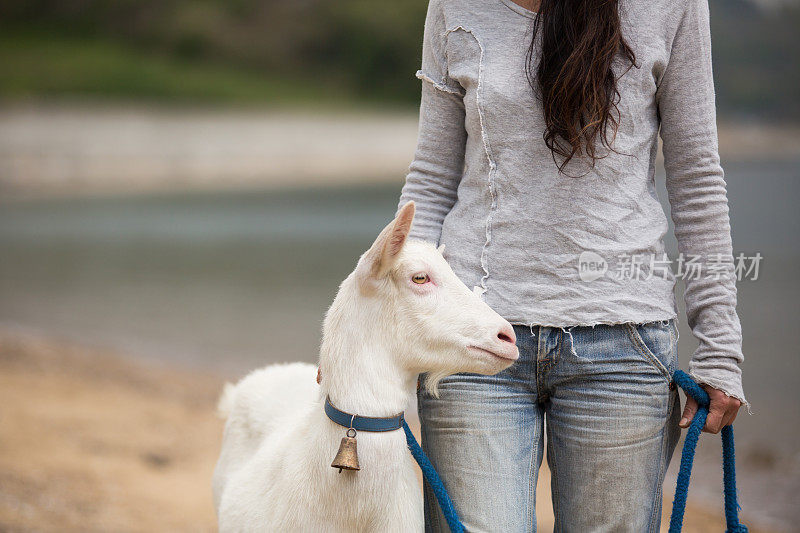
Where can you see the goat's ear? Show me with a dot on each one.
(378, 260)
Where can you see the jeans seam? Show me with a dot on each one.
(675, 335)
(433, 503)
(551, 449)
(532, 486)
(538, 367)
(658, 496)
(435, 522)
(672, 344)
(642, 348)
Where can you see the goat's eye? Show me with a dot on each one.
(420, 278)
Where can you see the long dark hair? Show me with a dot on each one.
(574, 80)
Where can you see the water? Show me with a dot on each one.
(231, 281)
(228, 281)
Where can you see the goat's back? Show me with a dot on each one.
(255, 407)
(266, 394)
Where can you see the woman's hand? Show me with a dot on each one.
(721, 412)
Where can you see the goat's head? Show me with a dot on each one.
(431, 320)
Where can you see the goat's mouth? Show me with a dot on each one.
(508, 354)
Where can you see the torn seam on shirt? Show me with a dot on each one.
(487, 148)
(441, 85)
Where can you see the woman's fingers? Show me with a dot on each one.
(724, 407)
(716, 414)
(688, 413)
(722, 410)
(730, 416)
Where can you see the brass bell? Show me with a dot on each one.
(347, 456)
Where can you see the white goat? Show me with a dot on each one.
(400, 313)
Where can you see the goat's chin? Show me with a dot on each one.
(493, 366)
(485, 366)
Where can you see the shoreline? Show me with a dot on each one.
(85, 150)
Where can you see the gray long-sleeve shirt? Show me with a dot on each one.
(585, 248)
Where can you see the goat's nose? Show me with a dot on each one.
(506, 334)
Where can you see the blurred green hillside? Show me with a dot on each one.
(303, 51)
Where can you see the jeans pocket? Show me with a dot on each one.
(656, 342)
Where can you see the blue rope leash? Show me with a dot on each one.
(692, 389)
(434, 481)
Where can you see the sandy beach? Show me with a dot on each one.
(91, 441)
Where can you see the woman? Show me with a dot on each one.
(535, 167)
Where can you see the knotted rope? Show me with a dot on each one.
(692, 389)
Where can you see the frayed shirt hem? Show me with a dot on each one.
(724, 387)
(550, 323)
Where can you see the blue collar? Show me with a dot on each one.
(363, 423)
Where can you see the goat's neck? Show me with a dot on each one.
(359, 372)
(367, 384)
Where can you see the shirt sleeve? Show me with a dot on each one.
(434, 174)
(698, 198)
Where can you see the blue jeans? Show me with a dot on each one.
(605, 396)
